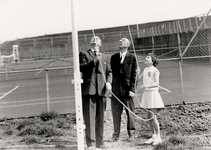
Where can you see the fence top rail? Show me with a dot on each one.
(179, 58)
(32, 70)
(71, 67)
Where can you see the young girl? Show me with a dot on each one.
(151, 98)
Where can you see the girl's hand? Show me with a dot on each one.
(138, 71)
(139, 77)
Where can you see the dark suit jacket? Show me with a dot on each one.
(124, 76)
(92, 75)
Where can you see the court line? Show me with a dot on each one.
(34, 100)
(9, 92)
(4, 87)
(34, 104)
(159, 92)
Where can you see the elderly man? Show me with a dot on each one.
(97, 78)
(124, 69)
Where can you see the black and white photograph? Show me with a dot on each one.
(105, 74)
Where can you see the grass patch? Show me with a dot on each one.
(60, 146)
(8, 132)
(40, 130)
(175, 140)
(24, 123)
(162, 146)
(173, 143)
(54, 129)
(187, 119)
(30, 140)
(177, 123)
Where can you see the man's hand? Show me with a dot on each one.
(108, 86)
(131, 94)
(99, 56)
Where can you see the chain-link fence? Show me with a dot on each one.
(184, 51)
(42, 80)
(31, 92)
(61, 46)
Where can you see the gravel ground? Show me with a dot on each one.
(176, 122)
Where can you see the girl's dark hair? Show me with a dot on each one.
(154, 59)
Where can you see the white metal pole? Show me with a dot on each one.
(77, 83)
(47, 90)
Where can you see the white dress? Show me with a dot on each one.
(151, 97)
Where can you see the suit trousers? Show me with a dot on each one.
(117, 109)
(93, 112)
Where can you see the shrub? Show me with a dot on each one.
(45, 116)
(173, 130)
(64, 124)
(40, 130)
(30, 140)
(162, 146)
(30, 130)
(48, 131)
(8, 132)
(175, 140)
(23, 124)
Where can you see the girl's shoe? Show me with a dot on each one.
(151, 140)
(157, 141)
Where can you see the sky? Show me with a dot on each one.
(28, 18)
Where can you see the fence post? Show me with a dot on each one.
(51, 47)
(6, 71)
(180, 67)
(153, 45)
(34, 47)
(209, 49)
(47, 90)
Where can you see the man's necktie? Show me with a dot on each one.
(121, 60)
(97, 64)
(95, 52)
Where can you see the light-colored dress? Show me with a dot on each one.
(151, 97)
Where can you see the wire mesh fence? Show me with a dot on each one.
(184, 58)
(42, 80)
(29, 93)
(196, 63)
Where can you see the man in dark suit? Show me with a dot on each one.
(97, 78)
(124, 69)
